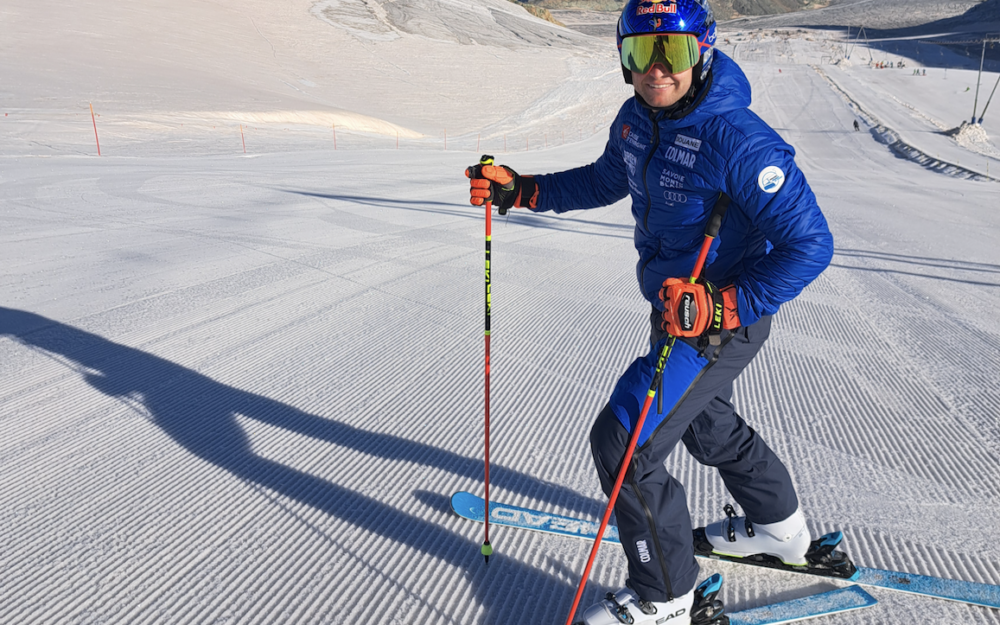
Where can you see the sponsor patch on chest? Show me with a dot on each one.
(682, 157)
(631, 160)
(631, 138)
(671, 180)
(688, 142)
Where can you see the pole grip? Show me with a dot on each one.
(711, 231)
(713, 225)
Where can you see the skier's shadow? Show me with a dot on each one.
(199, 414)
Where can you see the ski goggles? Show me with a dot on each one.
(677, 52)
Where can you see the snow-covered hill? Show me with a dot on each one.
(241, 389)
(159, 72)
(877, 14)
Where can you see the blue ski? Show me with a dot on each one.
(471, 507)
(794, 610)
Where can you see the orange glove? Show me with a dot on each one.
(502, 186)
(694, 309)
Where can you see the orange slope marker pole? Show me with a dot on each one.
(94, 119)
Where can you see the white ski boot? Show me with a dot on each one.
(698, 607)
(786, 540)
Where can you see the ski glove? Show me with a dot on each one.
(502, 186)
(694, 309)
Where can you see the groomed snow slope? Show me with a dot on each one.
(242, 389)
(921, 111)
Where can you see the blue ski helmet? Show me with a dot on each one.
(650, 17)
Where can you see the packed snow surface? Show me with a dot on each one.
(242, 387)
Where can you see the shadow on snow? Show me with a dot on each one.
(200, 415)
(918, 261)
(515, 216)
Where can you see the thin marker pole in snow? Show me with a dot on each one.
(714, 222)
(94, 119)
(335, 136)
(478, 137)
(243, 139)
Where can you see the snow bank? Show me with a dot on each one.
(974, 137)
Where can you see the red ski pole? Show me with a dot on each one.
(487, 549)
(710, 233)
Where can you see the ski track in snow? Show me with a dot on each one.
(243, 389)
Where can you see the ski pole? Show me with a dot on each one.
(714, 223)
(487, 549)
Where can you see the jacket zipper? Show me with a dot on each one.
(649, 200)
(649, 159)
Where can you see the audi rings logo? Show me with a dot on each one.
(673, 197)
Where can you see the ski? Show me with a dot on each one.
(805, 608)
(471, 507)
(813, 606)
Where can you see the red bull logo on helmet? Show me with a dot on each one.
(656, 7)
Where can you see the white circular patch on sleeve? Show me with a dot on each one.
(770, 179)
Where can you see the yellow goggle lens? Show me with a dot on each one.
(677, 52)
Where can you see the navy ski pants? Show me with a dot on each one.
(653, 518)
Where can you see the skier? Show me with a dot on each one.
(857, 126)
(683, 147)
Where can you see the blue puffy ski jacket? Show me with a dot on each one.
(774, 239)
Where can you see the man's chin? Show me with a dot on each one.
(660, 100)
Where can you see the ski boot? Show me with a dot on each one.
(698, 607)
(783, 545)
(786, 540)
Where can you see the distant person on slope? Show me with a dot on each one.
(857, 126)
(683, 146)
